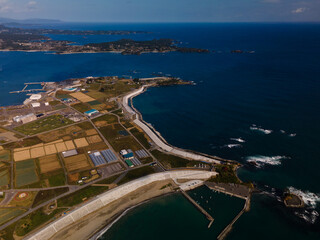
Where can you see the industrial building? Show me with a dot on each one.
(70, 153)
(91, 112)
(127, 154)
(109, 155)
(25, 118)
(97, 159)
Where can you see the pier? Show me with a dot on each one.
(204, 212)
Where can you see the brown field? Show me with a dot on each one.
(37, 152)
(82, 97)
(81, 142)
(58, 134)
(49, 163)
(50, 149)
(61, 147)
(22, 155)
(94, 139)
(70, 145)
(73, 177)
(77, 162)
(101, 123)
(91, 132)
(21, 149)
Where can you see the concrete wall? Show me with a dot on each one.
(112, 195)
(156, 139)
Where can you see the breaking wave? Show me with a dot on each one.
(240, 140)
(309, 198)
(260, 129)
(233, 145)
(260, 161)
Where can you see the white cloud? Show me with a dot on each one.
(32, 3)
(271, 1)
(299, 10)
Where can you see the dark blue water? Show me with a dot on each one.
(276, 88)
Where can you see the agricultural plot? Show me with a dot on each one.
(91, 132)
(44, 124)
(81, 142)
(23, 199)
(49, 163)
(25, 173)
(94, 139)
(82, 97)
(81, 107)
(7, 214)
(4, 155)
(21, 155)
(4, 177)
(77, 162)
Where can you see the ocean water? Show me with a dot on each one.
(261, 106)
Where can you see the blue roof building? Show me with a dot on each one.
(91, 112)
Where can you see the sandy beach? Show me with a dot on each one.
(92, 223)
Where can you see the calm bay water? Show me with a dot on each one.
(268, 98)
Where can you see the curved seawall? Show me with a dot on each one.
(154, 136)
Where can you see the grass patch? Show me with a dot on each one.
(141, 137)
(109, 180)
(44, 124)
(57, 180)
(95, 102)
(226, 174)
(81, 196)
(85, 125)
(34, 220)
(5, 155)
(171, 161)
(4, 177)
(45, 195)
(136, 173)
(108, 118)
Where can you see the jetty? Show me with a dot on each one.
(25, 90)
(204, 212)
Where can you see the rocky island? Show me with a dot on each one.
(20, 39)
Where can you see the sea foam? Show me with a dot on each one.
(260, 161)
(260, 129)
(309, 198)
(238, 140)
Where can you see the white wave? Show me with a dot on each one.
(238, 140)
(308, 216)
(233, 145)
(283, 131)
(255, 128)
(292, 135)
(309, 198)
(261, 161)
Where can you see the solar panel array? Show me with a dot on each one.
(142, 153)
(135, 161)
(97, 159)
(109, 155)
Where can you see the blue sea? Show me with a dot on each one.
(260, 107)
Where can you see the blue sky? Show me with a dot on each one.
(164, 10)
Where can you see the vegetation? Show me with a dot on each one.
(108, 118)
(45, 195)
(81, 107)
(136, 173)
(43, 124)
(34, 220)
(171, 161)
(226, 174)
(81, 196)
(141, 137)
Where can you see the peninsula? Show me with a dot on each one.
(20, 39)
(84, 152)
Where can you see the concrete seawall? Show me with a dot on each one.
(155, 138)
(106, 198)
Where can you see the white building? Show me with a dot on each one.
(25, 118)
(35, 97)
(35, 104)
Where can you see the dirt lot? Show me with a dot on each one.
(49, 163)
(77, 162)
(82, 97)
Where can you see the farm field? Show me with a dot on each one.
(49, 163)
(77, 162)
(44, 124)
(4, 155)
(25, 173)
(7, 214)
(4, 177)
(82, 97)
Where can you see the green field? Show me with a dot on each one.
(45, 195)
(108, 118)
(25, 173)
(136, 173)
(81, 107)
(4, 177)
(4, 155)
(7, 214)
(141, 137)
(170, 161)
(95, 102)
(44, 124)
